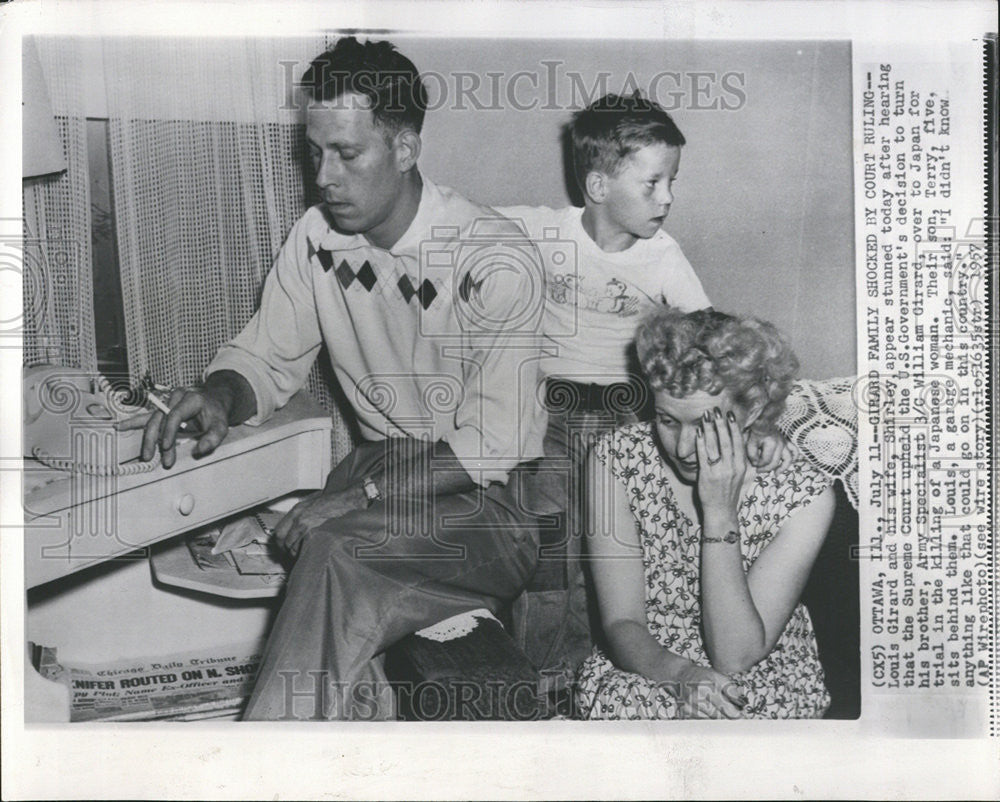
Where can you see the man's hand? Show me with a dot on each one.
(314, 510)
(706, 693)
(205, 408)
(770, 451)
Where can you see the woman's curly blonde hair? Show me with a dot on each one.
(711, 351)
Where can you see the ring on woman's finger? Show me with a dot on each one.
(715, 461)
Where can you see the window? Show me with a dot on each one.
(109, 310)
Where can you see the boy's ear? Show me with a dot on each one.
(596, 186)
(406, 146)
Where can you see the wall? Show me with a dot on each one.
(763, 207)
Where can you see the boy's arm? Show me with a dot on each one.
(769, 451)
(681, 286)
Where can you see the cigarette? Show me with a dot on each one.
(156, 402)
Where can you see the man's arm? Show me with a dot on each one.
(500, 421)
(257, 371)
(278, 346)
(225, 399)
(432, 470)
(429, 471)
(498, 424)
(235, 395)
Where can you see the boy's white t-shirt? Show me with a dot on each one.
(594, 302)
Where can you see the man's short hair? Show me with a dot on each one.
(375, 70)
(614, 127)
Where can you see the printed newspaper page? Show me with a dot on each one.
(928, 551)
(838, 179)
(180, 687)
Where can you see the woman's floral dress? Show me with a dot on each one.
(788, 683)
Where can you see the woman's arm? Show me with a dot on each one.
(619, 579)
(743, 615)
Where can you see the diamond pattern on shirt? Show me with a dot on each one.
(426, 293)
(345, 274)
(406, 287)
(366, 277)
(325, 258)
(468, 287)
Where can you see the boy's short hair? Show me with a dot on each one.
(375, 70)
(614, 127)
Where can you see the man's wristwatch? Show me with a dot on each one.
(372, 493)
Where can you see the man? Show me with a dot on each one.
(434, 338)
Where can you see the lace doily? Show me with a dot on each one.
(458, 626)
(821, 420)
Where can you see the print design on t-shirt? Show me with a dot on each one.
(565, 288)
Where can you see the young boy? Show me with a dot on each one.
(626, 153)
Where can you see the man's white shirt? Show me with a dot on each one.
(415, 333)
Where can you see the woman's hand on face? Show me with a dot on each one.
(706, 693)
(722, 463)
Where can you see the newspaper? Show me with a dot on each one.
(928, 554)
(918, 90)
(177, 687)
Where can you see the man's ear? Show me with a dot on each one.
(596, 186)
(406, 146)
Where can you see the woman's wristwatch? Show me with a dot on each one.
(730, 537)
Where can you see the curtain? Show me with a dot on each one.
(206, 150)
(58, 282)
